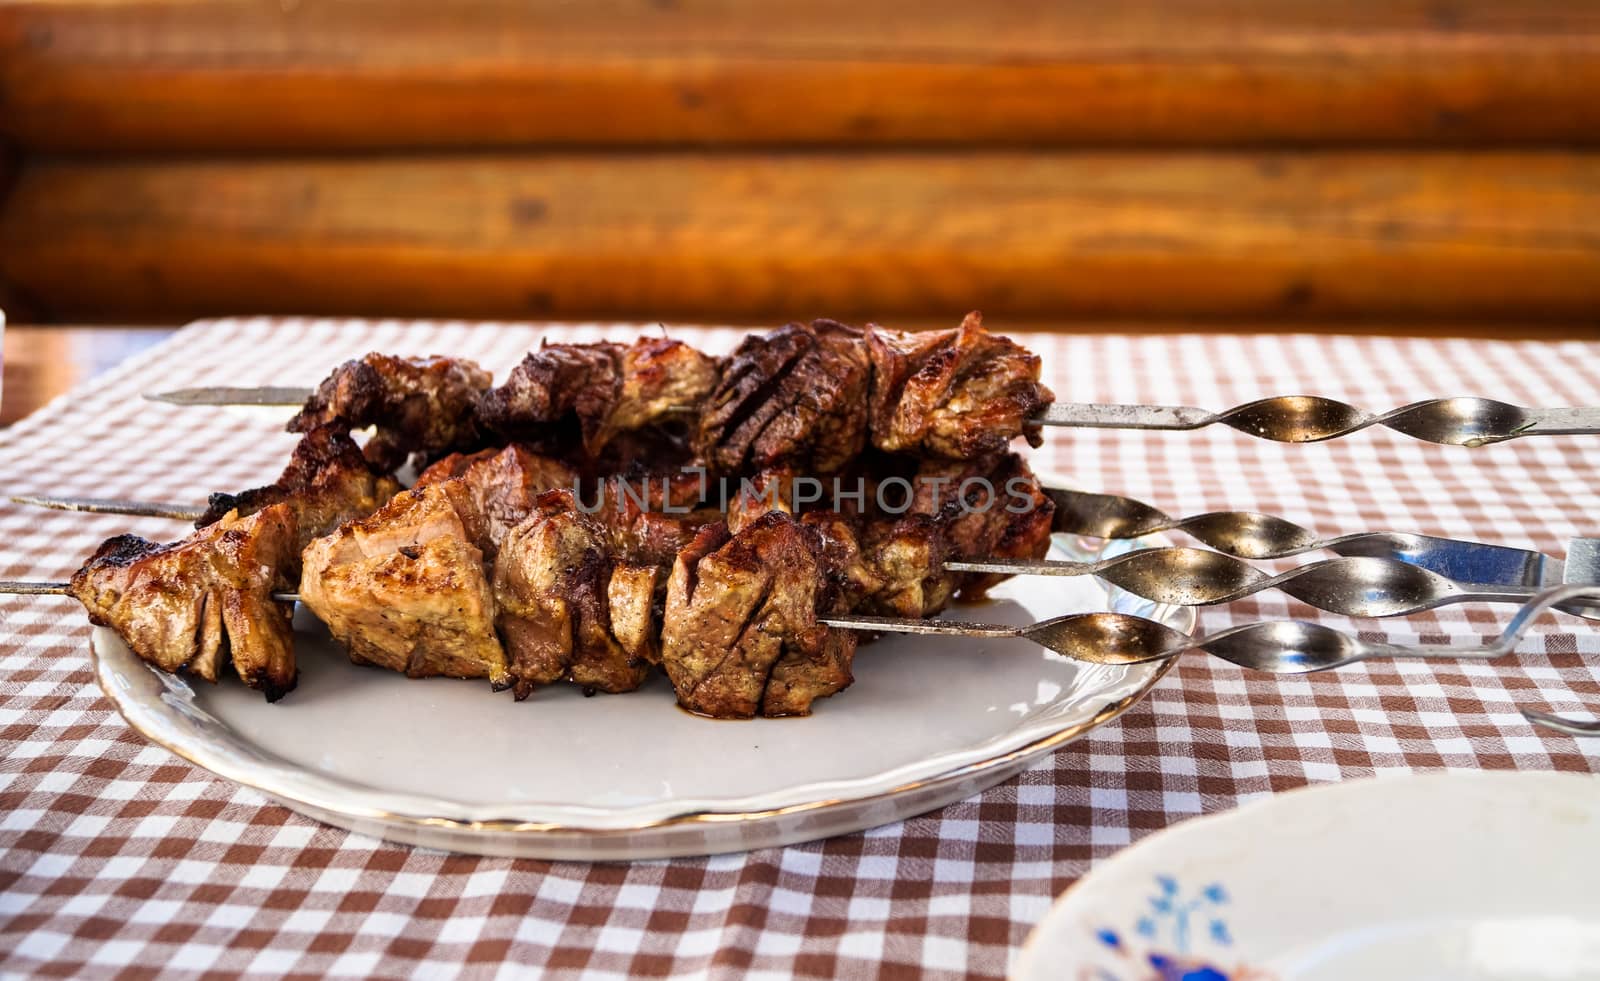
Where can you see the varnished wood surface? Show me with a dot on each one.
(335, 74)
(1346, 236)
(44, 362)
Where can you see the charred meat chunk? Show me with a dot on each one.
(651, 517)
(989, 508)
(607, 388)
(553, 586)
(192, 605)
(795, 396)
(405, 589)
(494, 490)
(423, 405)
(885, 566)
(327, 482)
(957, 394)
(741, 635)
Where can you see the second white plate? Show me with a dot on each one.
(1465, 876)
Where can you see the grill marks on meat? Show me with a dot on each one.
(606, 388)
(191, 605)
(795, 396)
(985, 508)
(741, 635)
(422, 405)
(494, 490)
(957, 394)
(553, 584)
(405, 589)
(327, 482)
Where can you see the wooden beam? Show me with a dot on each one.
(328, 74)
(1279, 235)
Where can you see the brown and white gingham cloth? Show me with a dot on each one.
(116, 858)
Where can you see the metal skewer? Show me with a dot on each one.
(229, 395)
(1243, 534)
(1360, 586)
(1280, 647)
(112, 505)
(1283, 418)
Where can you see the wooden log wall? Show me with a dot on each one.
(1271, 160)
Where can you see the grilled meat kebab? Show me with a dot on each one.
(809, 397)
(587, 597)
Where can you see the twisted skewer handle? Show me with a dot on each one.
(1312, 419)
(1357, 587)
(1253, 535)
(1281, 647)
(1276, 647)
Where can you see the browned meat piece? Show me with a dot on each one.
(741, 634)
(494, 490)
(635, 593)
(608, 388)
(191, 605)
(326, 483)
(651, 517)
(769, 490)
(795, 396)
(553, 584)
(991, 508)
(879, 564)
(419, 405)
(405, 589)
(907, 557)
(659, 378)
(885, 566)
(957, 394)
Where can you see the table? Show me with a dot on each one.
(115, 854)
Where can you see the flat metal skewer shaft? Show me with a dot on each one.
(1283, 418)
(112, 505)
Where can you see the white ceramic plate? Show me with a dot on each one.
(449, 764)
(1470, 876)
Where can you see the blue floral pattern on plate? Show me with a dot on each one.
(1165, 941)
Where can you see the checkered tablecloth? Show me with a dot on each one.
(116, 855)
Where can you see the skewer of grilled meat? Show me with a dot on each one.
(584, 597)
(809, 397)
(407, 589)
